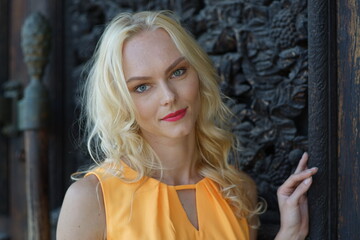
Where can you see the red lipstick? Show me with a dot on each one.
(172, 117)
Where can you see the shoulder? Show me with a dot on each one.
(82, 214)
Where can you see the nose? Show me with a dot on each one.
(167, 94)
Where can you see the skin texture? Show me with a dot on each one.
(293, 202)
(82, 214)
(161, 81)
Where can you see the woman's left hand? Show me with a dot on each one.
(293, 202)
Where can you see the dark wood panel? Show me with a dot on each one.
(333, 123)
(55, 82)
(322, 119)
(349, 118)
(18, 210)
(4, 39)
(4, 73)
(36, 146)
(18, 12)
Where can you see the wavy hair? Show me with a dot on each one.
(113, 133)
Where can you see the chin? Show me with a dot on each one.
(179, 133)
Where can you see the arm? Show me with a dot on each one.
(293, 203)
(82, 214)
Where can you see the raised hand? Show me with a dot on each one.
(293, 202)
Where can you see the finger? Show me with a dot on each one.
(300, 191)
(302, 163)
(294, 180)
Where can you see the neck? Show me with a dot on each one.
(178, 158)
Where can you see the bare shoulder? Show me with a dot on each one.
(82, 214)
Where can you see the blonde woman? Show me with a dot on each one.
(157, 131)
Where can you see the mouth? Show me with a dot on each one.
(172, 117)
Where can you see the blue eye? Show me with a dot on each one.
(178, 72)
(142, 88)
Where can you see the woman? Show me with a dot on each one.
(156, 117)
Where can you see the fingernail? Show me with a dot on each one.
(307, 181)
(314, 169)
(304, 154)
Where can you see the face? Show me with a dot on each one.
(162, 84)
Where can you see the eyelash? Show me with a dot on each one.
(183, 71)
(179, 69)
(136, 89)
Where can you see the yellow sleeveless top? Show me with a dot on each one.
(152, 210)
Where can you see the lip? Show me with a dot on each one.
(175, 116)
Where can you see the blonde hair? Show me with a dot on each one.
(113, 133)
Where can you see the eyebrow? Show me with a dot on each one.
(176, 62)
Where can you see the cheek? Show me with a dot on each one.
(191, 95)
(193, 92)
(144, 109)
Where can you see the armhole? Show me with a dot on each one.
(100, 187)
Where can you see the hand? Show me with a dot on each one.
(293, 203)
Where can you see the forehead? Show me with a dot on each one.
(148, 51)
